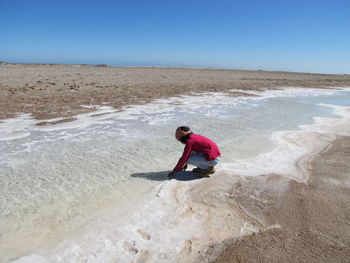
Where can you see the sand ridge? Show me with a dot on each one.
(314, 216)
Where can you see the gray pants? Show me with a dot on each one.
(198, 159)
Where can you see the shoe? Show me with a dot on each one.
(211, 169)
(198, 170)
(207, 172)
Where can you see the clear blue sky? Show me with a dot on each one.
(293, 35)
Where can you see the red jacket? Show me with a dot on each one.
(198, 143)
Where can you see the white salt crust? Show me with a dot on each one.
(182, 220)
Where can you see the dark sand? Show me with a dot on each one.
(50, 91)
(314, 217)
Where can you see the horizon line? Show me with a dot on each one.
(164, 67)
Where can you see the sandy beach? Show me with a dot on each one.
(281, 219)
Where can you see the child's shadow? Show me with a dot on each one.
(163, 176)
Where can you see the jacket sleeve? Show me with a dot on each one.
(184, 158)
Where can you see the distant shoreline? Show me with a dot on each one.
(49, 91)
(163, 67)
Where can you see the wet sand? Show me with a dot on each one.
(313, 218)
(50, 91)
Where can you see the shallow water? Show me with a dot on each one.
(59, 180)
